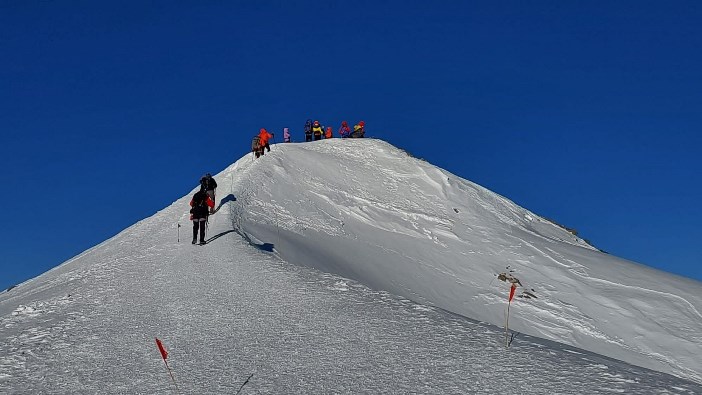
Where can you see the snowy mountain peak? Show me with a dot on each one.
(347, 266)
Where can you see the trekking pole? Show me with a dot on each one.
(178, 232)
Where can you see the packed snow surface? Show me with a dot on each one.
(347, 266)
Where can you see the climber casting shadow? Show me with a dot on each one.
(227, 199)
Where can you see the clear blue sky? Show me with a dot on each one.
(589, 113)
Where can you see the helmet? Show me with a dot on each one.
(362, 123)
(208, 175)
(343, 123)
(263, 130)
(316, 122)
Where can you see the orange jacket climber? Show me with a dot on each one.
(264, 137)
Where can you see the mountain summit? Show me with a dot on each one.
(313, 256)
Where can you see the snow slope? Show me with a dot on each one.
(386, 230)
(399, 224)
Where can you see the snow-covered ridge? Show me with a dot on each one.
(400, 224)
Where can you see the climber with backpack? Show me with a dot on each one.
(263, 137)
(210, 186)
(286, 135)
(359, 130)
(308, 130)
(256, 146)
(317, 130)
(201, 205)
(344, 130)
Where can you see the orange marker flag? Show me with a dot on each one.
(164, 353)
(511, 292)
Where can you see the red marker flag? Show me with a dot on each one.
(511, 292)
(164, 353)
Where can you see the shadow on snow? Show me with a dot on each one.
(226, 199)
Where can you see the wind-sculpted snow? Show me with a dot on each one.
(239, 306)
(399, 224)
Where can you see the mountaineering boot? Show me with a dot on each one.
(195, 240)
(202, 242)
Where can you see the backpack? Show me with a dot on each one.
(200, 198)
(255, 143)
(199, 209)
(208, 183)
